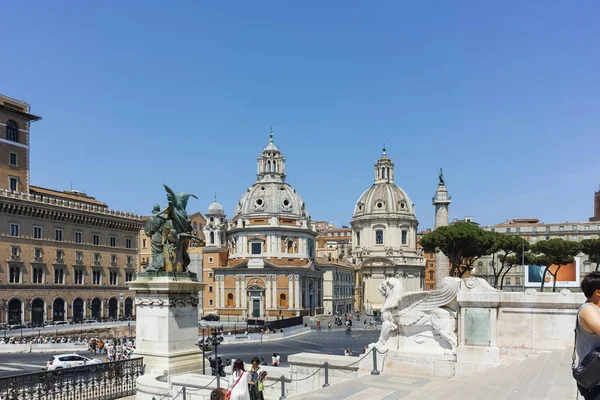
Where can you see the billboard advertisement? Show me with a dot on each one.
(567, 276)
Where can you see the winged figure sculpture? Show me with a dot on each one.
(419, 311)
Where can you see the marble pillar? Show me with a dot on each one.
(290, 292)
(297, 291)
(167, 322)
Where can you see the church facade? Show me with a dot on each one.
(262, 262)
(384, 237)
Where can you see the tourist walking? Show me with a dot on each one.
(318, 325)
(256, 385)
(274, 360)
(238, 383)
(587, 327)
(329, 326)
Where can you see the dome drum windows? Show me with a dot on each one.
(404, 237)
(378, 237)
(379, 205)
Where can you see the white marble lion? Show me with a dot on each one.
(418, 312)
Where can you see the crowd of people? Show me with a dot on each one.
(243, 384)
(114, 349)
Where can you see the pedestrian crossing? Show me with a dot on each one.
(20, 367)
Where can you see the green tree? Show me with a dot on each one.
(507, 245)
(513, 261)
(555, 251)
(463, 243)
(591, 247)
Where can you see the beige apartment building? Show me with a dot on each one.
(63, 254)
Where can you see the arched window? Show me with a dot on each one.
(357, 238)
(269, 166)
(404, 237)
(282, 301)
(230, 300)
(382, 172)
(12, 131)
(212, 238)
(379, 237)
(290, 246)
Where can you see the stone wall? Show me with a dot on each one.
(532, 320)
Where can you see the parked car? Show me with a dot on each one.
(15, 326)
(211, 317)
(90, 321)
(68, 361)
(58, 323)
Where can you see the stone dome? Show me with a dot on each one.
(215, 209)
(384, 198)
(271, 198)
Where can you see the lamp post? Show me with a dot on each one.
(203, 325)
(214, 340)
(129, 326)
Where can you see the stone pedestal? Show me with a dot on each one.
(167, 322)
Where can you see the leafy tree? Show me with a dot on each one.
(462, 242)
(591, 247)
(555, 251)
(508, 245)
(513, 261)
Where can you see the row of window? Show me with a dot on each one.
(38, 254)
(38, 276)
(59, 235)
(379, 237)
(230, 301)
(561, 228)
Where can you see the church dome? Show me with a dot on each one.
(270, 193)
(271, 198)
(384, 197)
(215, 209)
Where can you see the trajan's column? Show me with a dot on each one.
(441, 201)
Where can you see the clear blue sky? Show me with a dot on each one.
(504, 96)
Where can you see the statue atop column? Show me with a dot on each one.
(170, 233)
(441, 177)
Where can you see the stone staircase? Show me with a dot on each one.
(545, 376)
(542, 376)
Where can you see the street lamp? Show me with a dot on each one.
(203, 325)
(129, 326)
(214, 340)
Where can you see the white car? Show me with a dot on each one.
(69, 360)
(58, 323)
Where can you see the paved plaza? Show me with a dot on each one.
(545, 376)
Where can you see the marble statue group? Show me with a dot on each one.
(170, 233)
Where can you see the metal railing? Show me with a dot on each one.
(104, 381)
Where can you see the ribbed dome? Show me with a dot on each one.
(271, 198)
(215, 209)
(384, 198)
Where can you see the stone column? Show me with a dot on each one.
(237, 292)
(274, 287)
(167, 323)
(441, 201)
(217, 286)
(222, 291)
(244, 304)
(268, 291)
(291, 292)
(297, 291)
